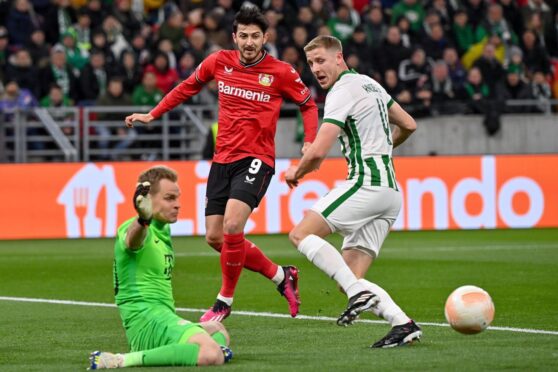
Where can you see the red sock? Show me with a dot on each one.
(233, 255)
(257, 261)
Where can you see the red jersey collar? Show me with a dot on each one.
(264, 54)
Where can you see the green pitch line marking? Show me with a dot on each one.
(265, 314)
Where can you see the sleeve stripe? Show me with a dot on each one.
(390, 103)
(306, 100)
(197, 78)
(333, 121)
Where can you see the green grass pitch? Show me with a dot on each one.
(519, 268)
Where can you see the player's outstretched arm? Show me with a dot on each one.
(142, 118)
(137, 231)
(404, 123)
(314, 155)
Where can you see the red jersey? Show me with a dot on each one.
(250, 97)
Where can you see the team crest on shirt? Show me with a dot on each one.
(265, 79)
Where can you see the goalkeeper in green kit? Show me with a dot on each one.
(143, 264)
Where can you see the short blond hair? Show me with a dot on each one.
(155, 174)
(324, 41)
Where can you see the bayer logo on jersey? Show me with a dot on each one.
(265, 79)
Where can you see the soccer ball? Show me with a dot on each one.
(469, 309)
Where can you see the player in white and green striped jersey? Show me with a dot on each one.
(358, 111)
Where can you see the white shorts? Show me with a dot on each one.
(363, 215)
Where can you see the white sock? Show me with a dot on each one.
(387, 308)
(227, 300)
(279, 276)
(329, 260)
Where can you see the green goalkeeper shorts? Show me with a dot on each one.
(159, 326)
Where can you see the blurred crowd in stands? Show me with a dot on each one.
(433, 56)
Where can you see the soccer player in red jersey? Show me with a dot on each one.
(252, 85)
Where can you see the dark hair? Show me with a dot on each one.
(250, 15)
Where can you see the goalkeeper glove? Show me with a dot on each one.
(142, 203)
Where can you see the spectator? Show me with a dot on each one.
(444, 12)
(375, 27)
(56, 99)
(415, 72)
(4, 51)
(165, 46)
(512, 14)
(283, 34)
(76, 57)
(198, 45)
(322, 11)
(534, 55)
(94, 77)
(83, 30)
(60, 73)
(463, 32)
(300, 38)
(139, 47)
(478, 96)
(271, 46)
(408, 38)
(173, 30)
(410, 9)
(496, 25)
(342, 24)
(114, 96)
(129, 71)
(456, 70)
(126, 18)
(115, 39)
(476, 11)
(96, 13)
(513, 88)
(392, 51)
(99, 42)
(22, 20)
(396, 89)
(358, 46)
(307, 20)
(489, 65)
(435, 44)
(166, 76)
(147, 94)
(39, 51)
(21, 70)
(443, 91)
(516, 61)
(216, 35)
(58, 20)
(15, 98)
(476, 90)
(537, 7)
(228, 13)
(534, 24)
(540, 90)
(287, 15)
(432, 18)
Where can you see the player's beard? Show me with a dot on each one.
(252, 56)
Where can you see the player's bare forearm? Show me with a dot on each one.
(404, 123)
(400, 135)
(135, 235)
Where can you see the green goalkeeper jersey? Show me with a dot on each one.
(142, 278)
